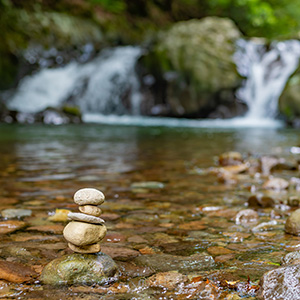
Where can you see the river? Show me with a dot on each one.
(191, 211)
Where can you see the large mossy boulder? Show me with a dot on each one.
(193, 64)
(78, 268)
(289, 101)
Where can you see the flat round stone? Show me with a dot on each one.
(94, 248)
(91, 210)
(82, 234)
(85, 218)
(88, 196)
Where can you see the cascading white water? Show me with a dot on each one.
(96, 86)
(108, 86)
(266, 72)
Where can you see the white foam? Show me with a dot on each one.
(174, 122)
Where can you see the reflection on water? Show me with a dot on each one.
(41, 168)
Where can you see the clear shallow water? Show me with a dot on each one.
(42, 167)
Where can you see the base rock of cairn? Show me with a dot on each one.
(81, 269)
(83, 233)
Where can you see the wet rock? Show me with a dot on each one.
(193, 225)
(291, 258)
(137, 239)
(292, 224)
(88, 196)
(90, 210)
(246, 216)
(190, 86)
(85, 218)
(11, 213)
(230, 158)
(120, 253)
(265, 226)
(56, 229)
(224, 258)
(216, 250)
(260, 200)
(236, 169)
(182, 247)
(280, 284)
(15, 272)
(267, 163)
(294, 201)
(147, 185)
(11, 226)
(167, 280)
(81, 234)
(61, 215)
(110, 216)
(276, 184)
(167, 262)
(79, 269)
(129, 269)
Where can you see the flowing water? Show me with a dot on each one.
(107, 88)
(192, 211)
(266, 72)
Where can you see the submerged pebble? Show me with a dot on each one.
(11, 213)
(246, 216)
(147, 185)
(276, 184)
(15, 272)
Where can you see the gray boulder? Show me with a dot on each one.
(193, 63)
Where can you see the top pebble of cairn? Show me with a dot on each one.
(89, 196)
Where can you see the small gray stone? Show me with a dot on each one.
(147, 185)
(11, 213)
(88, 196)
(280, 284)
(78, 268)
(167, 262)
(85, 218)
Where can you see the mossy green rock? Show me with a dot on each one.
(289, 102)
(78, 268)
(196, 59)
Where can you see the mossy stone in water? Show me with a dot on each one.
(78, 268)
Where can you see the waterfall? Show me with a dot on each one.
(96, 86)
(266, 72)
(107, 88)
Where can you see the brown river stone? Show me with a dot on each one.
(92, 210)
(82, 234)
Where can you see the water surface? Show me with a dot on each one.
(42, 167)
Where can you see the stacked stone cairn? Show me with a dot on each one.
(86, 229)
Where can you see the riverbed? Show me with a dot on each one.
(165, 201)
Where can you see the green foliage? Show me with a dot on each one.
(267, 18)
(115, 6)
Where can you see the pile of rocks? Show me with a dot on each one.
(86, 229)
